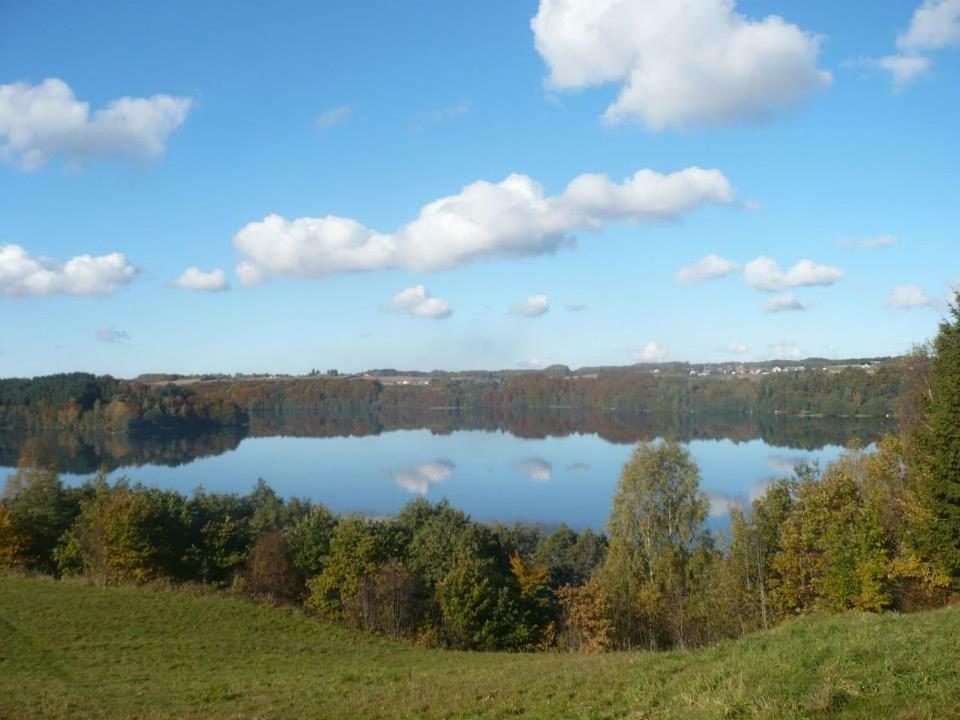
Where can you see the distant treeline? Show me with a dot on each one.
(85, 401)
(851, 392)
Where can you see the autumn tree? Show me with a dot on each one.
(270, 571)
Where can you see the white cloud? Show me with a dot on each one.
(785, 350)
(109, 334)
(908, 297)
(38, 122)
(510, 219)
(707, 268)
(532, 306)
(653, 352)
(903, 69)
(579, 467)
(538, 470)
(334, 116)
(420, 478)
(679, 63)
(417, 301)
(23, 274)
(869, 243)
(934, 25)
(193, 278)
(736, 348)
(784, 303)
(765, 274)
(575, 307)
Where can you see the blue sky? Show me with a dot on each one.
(369, 111)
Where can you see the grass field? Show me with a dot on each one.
(72, 651)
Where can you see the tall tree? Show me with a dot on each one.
(937, 439)
(655, 528)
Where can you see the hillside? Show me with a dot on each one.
(68, 650)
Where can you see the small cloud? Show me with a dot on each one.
(784, 303)
(23, 274)
(531, 306)
(909, 297)
(707, 268)
(417, 301)
(752, 205)
(903, 68)
(579, 467)
(110, 334)
(765, 274)
(868, 243)
(333, 116)
(653, 352)
(735, 348)
(196, 280)
(419, 479)
(575, 307)
(41, 122)
(539, 470)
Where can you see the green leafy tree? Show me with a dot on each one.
(39, 510)
(832, 553)
(309, 538)
(479, 611)
(936, 437)
(656, 526)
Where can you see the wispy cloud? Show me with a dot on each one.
(909, 297)
(110, 334)
(334, 116)
(784, 303)
(421, 120)
(707, 268)
(868, 243)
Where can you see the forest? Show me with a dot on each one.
(81, 401)
(876, 531)
(85, 401)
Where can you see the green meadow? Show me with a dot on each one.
(69, 650)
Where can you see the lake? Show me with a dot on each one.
(547, 468)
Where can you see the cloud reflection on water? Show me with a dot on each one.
(418, 479)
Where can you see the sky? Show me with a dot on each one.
(239, 187)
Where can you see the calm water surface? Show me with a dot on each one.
(493, 474)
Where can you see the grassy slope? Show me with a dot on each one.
(67, 650)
